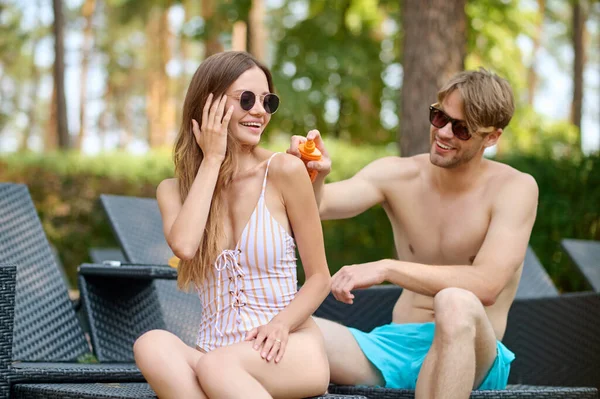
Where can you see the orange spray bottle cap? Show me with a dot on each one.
(310, 152)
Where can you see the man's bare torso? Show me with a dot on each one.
(441, 229)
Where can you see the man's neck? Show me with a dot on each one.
(458, 179)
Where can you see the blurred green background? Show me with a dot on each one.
(91, 93)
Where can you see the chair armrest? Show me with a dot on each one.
(128, 270)
(8, 281)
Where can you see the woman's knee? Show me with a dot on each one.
(321, 375)
(456, 312)
(212, 367)
(152, 347)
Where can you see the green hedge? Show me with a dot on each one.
(569, 207)
(66, 187)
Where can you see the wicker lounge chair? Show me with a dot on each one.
(41, 360)
(585, 254)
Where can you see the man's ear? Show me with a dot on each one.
(492, 138)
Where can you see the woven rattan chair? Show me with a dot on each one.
(585, 254)
(48, 340)
(41, 360)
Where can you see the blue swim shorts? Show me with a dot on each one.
(398, 351)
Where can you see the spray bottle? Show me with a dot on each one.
(309, 152)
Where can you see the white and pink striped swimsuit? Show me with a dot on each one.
(248, 285)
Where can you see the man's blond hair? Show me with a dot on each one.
(487, 98)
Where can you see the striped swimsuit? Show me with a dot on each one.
(249, 285)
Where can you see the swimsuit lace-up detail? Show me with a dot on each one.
(227, 261)
(250, 284)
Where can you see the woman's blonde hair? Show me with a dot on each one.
(214, 75)
(487, 98)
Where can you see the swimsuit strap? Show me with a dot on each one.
(264, 185)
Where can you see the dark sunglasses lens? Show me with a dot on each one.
(438, 118)
(271, 103)
(461, 131)
(247, 100)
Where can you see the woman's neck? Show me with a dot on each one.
(246, 159)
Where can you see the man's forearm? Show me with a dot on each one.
(319, 188)
(429, 280)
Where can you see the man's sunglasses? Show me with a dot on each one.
(248, 99)
(439, 119)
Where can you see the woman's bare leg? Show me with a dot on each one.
(239, 370)
(168, 363)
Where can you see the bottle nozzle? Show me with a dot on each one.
(309, 146)
(309, 152)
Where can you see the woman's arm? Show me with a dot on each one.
(303, 214)
(184, 224)
(289, 175)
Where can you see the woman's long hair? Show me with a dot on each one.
(214, 75)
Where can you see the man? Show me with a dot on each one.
(461, 226)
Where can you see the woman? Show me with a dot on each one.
(229, 215)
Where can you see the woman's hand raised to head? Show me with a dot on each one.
(212, 135)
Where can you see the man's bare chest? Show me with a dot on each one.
(434, 230)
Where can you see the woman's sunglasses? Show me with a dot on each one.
(439, 119)
(248, 99)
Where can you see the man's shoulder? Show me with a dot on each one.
(508, 181)
(396, 168)
(503, 175)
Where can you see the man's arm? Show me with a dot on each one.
(347, 198)
(501, 254)
(353, 196)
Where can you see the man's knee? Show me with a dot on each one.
(456, 312)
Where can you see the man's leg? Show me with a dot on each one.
(463, 349)
(347, 363)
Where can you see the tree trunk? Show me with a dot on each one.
(123, 119)
(87, 11)
(35, 83)
(211, 44)
(239, 35)
(579, 18)
(103, 119)
(62, 128)
(184, 55)
(157, 93)
(256, 30)
(343, 102)
(51, 139)
(531, 73)
(434, 50)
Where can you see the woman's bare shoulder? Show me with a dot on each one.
(167, 188)
(285, 166)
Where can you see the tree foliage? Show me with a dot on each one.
(338, 65)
